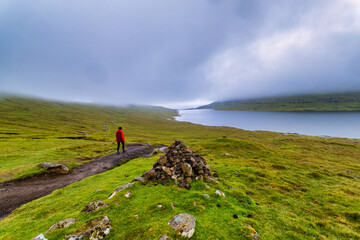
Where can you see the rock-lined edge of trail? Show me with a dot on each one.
(18, 192)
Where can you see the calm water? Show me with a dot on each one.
(334, 124)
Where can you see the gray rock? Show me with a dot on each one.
(99, 190)
(54, 167)
(94, 206)
(164, 237)
(62, 224)
(39, 237)
(95, 229)
(210, 180)
(220, 193)
(205, 195)
(118, 189)
(184, 224)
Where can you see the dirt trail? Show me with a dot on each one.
(16, 193)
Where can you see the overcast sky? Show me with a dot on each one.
(176, 52)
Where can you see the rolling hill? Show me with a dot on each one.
(326, 102)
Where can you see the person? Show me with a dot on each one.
(120, 139)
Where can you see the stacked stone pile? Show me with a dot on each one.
(181, 164)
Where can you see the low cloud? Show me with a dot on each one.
(176, 52)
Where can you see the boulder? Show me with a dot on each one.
(183, 224)
(54, 167)
(95, 229)
(94, 206)
(62, 224)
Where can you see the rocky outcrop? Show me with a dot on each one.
(94, 206)
(95, 229)
(118, 189)
(183, 224)
(181, 164)
(54, 167)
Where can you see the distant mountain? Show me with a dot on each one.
(323, 102)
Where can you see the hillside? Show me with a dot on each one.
(281, 186)
(326, 102)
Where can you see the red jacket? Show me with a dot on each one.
(120, 136)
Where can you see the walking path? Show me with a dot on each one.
(16, 193)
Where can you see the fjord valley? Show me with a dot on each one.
(314, 103)
(275, 186)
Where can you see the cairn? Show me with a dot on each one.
(181, 164)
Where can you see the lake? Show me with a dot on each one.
(334, 124)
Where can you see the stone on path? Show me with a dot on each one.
(95, 229)
(39, 237)
(62, 224)
(184, 224)
(118, 189)
(94, 206)
(54, 167)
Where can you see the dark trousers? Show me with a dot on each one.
(123, 146)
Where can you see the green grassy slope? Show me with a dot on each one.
(34, 131)
(306, 187)
(326, 102)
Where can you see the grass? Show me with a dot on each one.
(312, 103)
(305, 187)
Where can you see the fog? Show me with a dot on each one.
(178, 53)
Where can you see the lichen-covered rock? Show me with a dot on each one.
(253, 232)
(187, 170)
(39, 237)
(54, 167)
(94, 206)
(95, 229)
(183, 224)
(62, 224)
(118, 189)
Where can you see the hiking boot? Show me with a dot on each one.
(118, 152)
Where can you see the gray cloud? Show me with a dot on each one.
(177, 51)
